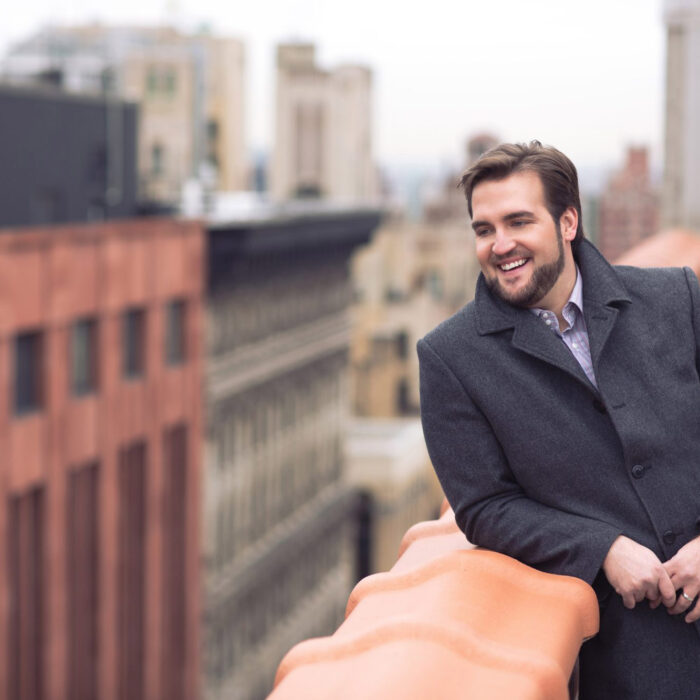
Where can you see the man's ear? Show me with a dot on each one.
(568, 224)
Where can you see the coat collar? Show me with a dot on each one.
(602, 291)
(601, 287)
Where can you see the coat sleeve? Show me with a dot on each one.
(490, 507)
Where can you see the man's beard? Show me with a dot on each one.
(542, 280)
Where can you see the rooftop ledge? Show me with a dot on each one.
(450, 620)
(448, 616)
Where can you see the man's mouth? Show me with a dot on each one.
(512, 265)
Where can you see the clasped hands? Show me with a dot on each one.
(636, 573)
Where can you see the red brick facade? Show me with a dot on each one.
(99, 542)
(629, 207)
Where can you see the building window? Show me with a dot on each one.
(25, 575)
(132, 509)
(133, 330)
(84, 357)
(169, 82)
(175, 332)
(174, 595)
(28, 372)
(82, 543)
(157, 160)
(152, 81)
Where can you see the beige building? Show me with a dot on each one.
(323, 130)
(680, 201)
(411, 277)
(189, 89)
(388, 460)
(280, 520)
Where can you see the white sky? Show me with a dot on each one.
(586, 77)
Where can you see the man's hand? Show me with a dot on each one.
(684, 570)
(636, 573)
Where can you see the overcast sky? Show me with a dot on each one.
(584, 76)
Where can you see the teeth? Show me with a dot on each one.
(512, 265)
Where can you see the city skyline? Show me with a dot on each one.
(586, 79)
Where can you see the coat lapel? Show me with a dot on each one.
(603, 295)
(601, 288)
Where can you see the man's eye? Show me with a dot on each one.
(481, 231)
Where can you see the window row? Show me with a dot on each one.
(84, 593)
(84, 353)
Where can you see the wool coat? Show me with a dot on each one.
(541, 465)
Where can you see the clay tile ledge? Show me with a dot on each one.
(448, 621)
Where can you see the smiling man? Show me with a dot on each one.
(561, 409)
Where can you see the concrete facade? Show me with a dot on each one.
(99, 471)
(323, 132)
(279, 520)
(388, 461)
(680, 203)
(410, 278)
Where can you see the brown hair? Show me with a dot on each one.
(556, 172)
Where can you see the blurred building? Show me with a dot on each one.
(65, 158)
(101, 429)
(323, 132)
(279, 519)
(189, 89)
(681, 204)
(411, 277)
(388, 461)
(628, 209)
(478, 144)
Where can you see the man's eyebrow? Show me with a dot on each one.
(517, 215)
(507, 217)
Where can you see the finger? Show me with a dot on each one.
(682, 603)
(694, 614)
(628, 601)
(667, 590)
(655, 602)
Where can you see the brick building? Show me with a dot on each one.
(629, 206)
(100, 433)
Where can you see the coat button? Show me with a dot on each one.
(697, 523)
(669, 537)
(638, 471)
(599, 406)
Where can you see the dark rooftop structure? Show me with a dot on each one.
(65, 158)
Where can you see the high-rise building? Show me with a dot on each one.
(189, 89)
(279, 518)
(101, 431)
(680, 201)
(628, 209)
(323, 133)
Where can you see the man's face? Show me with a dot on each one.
(522, 251)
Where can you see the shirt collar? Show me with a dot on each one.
(575, 300)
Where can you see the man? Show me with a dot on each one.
(561, 409)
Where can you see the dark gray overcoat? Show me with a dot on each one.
(541, 466)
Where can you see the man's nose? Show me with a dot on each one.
(502, 243)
